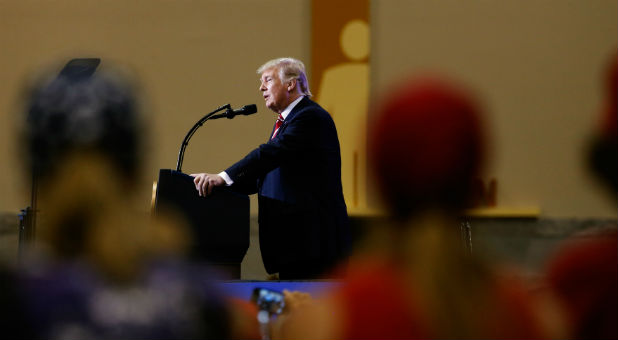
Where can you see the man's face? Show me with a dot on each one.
(274, 92)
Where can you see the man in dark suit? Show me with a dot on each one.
(303, 219)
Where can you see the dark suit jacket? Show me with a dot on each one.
(297, 175)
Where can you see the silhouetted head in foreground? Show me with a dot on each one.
(83, 139)
(603, 151)
(79, 113)
(584, 271)
(101, 266)
(426, 148)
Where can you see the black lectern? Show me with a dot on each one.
(219, 222)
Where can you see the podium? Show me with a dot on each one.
(219, 223)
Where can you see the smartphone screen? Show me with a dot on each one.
(268, 300)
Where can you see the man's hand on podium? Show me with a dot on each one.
(204, 183)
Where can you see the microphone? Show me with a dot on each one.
(245, 111)
(229, 113)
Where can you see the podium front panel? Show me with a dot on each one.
(219, 222)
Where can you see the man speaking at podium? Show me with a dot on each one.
(303, 221)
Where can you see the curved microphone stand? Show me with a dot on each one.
(185, 142)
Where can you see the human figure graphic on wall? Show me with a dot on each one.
(344, 92)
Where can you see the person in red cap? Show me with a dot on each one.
(584, 272)
(414, 278)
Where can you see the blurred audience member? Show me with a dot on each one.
(414, 278)
(584, 272)
(101, 268)
(604, 146)
(584, 276)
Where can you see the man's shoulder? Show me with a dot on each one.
(308, 105)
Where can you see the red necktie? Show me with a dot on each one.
(277, 126)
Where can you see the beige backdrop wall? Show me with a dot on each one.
(189, 56)
(539, 67)
(536, 64)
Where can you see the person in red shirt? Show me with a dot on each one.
(413, 277)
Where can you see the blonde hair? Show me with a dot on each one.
(289, 68)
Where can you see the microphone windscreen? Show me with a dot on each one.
(249, 109)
